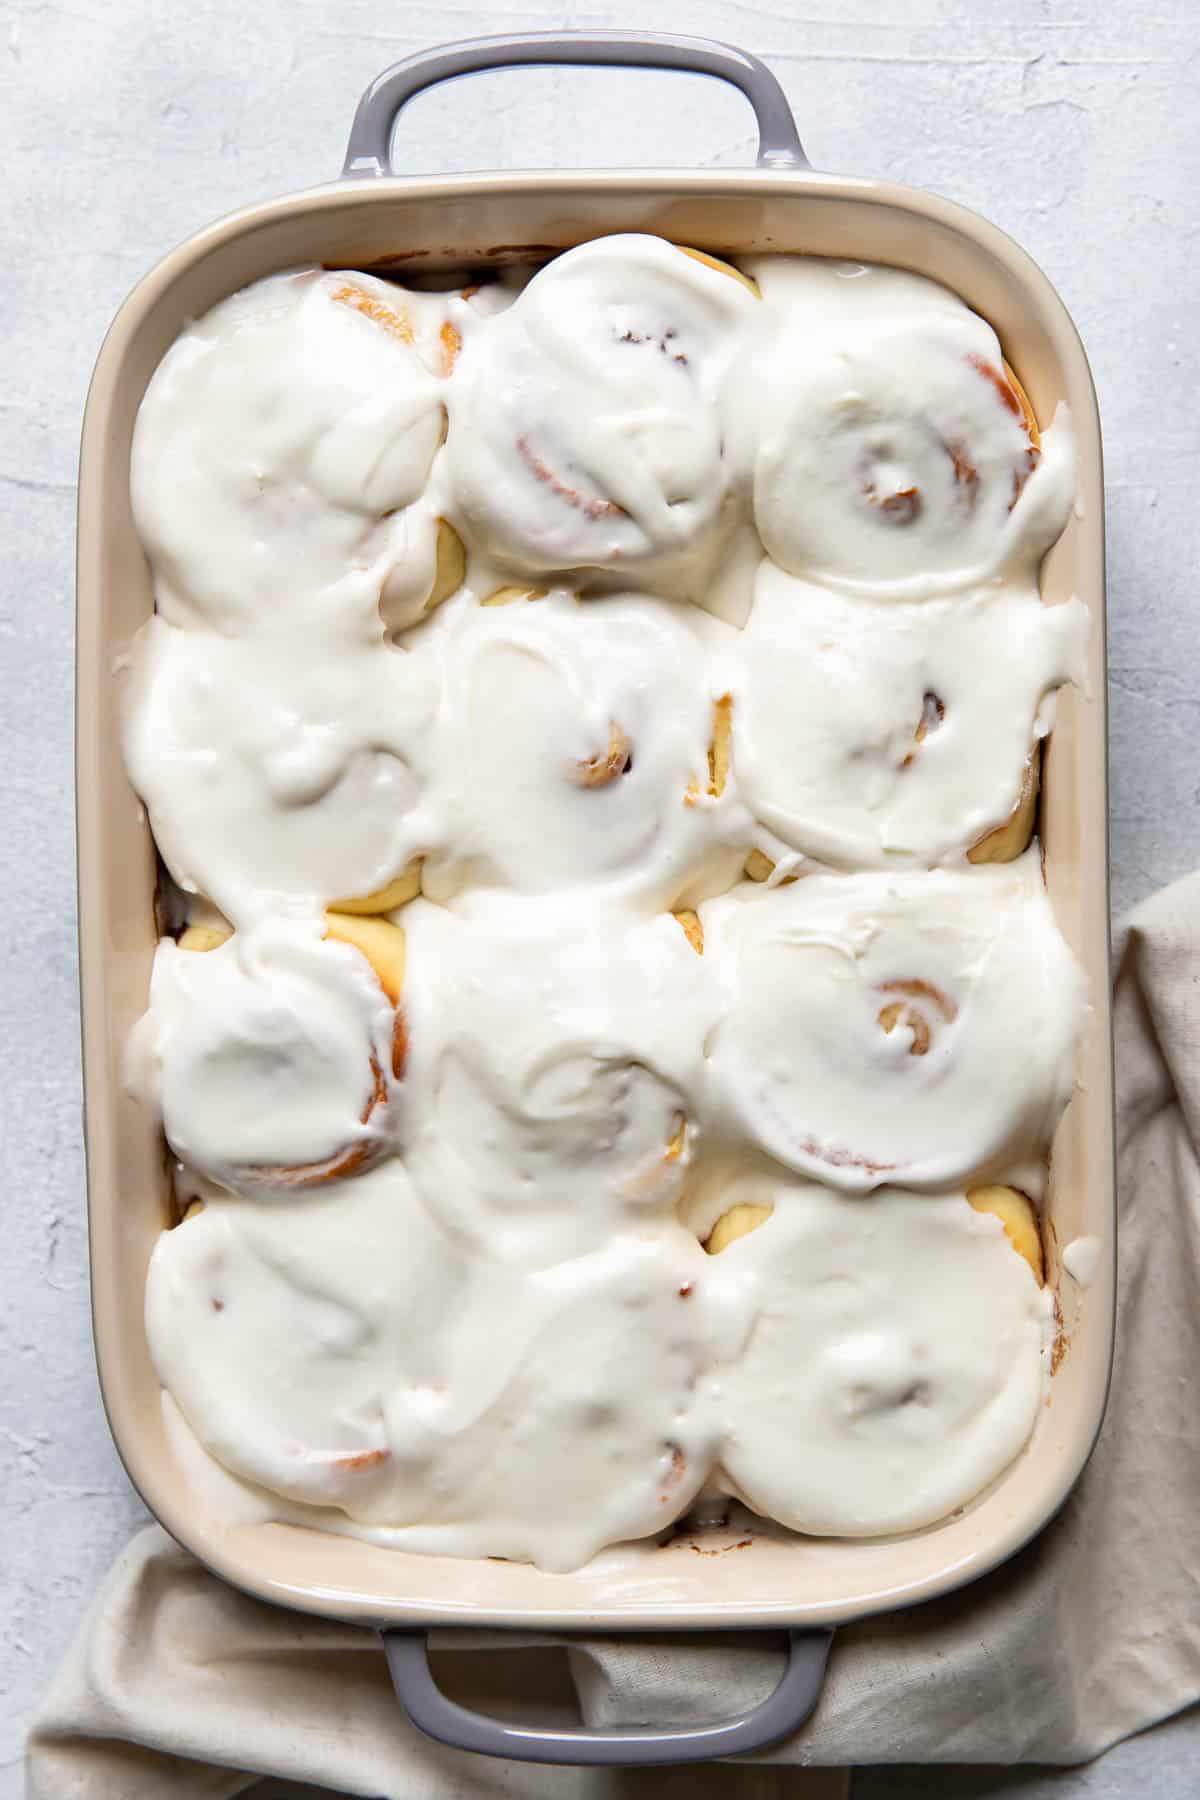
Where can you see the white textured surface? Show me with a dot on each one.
(127, 126)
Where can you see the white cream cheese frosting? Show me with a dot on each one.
(270, 1060)
(345, 1356)
(276, 778)
(910, 1029)
(554, 1058)
(448, 1286)
(897, 1362)
(892, 454)
(852, 1367)
(281, 445)
(586, 424)
(276, 1330)
(879, 735)
(571, 749)
(581, 1421)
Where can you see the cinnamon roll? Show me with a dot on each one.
(272, 1060)
(276, 781)
(590, 1368)
(549, 1094)
(281, 1346)
(573, 749)
(898, 456)
(879, 736)
(896, 1366)
(364, 1365)
(911, 1029)
(282, 449)
(585, 423)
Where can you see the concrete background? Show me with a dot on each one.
(128, 124)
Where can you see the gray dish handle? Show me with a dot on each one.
(635, 1745)
(369, 150)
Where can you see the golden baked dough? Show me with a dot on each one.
(381, 942)
(450, 567)
(719, 748)
(693, 930)
(740, 1219)
(1010, 840)
(451, 341)
(722, 268)
(204, 937)
(1031, 424)
(598, 771)
(759, 867)
(1017, 1214)
(399, 891)
(504, 596)
(719, 753)
(392, 319)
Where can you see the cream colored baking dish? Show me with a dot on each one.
(372, 220)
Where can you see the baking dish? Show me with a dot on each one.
(372, 219)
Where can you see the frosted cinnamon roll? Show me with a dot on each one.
(574, 1418)
(897, 1362)
(272, 1061)
(897, 456)
(573, 749)
(281, 450)
(909, 1029)
(282, 1348)
(277, 781)
(875, 736)
(556, 1053)
(586, 423)
(441, 1404)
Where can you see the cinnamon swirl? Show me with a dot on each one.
(871, 736)
(897, 455)
(594, 766)
(911, 1029)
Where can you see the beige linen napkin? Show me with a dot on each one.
(178, 1686)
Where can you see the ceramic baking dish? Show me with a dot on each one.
(371, 219)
